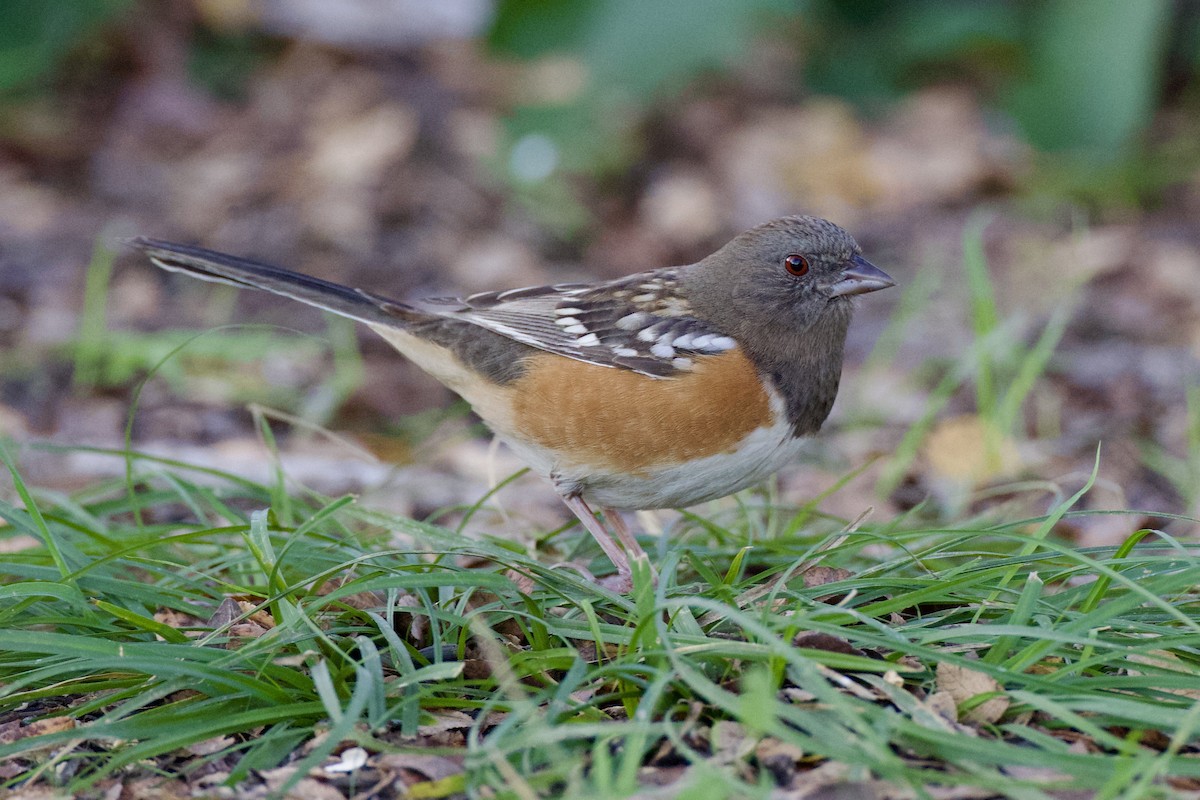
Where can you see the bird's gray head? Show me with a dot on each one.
(782, 277)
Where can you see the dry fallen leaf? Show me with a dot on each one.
(42, 727)
(153, 788)
(245, 630)
(305, 789)
(359, 600)
(225, 614)
(428, 767)
(258, 615)
(820, 575)
(524, 582)
(206, 747)
(1166, 660)
(445, 721)
(179, 619)
(349, 153)
(230, 613)
(13, 731)
(683, 207)
(935, 149)
(815, 156)
(815, 640)
(967, 451)
(962, 684)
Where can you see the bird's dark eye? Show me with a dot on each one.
(796, 264)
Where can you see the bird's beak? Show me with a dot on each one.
(859, 277)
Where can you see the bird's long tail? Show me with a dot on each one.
(210, 265)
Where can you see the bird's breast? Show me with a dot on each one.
(616, 420)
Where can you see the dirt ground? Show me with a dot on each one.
(386, 170)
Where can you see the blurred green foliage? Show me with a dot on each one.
(873, 51)
(223, 62)
(36, 35)
(1074, 75)
(630, 54)
(1080, 79)
(633, 48)
(1092, 72)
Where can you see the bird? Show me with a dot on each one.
(661, 389)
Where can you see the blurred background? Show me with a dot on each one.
(1029, 170)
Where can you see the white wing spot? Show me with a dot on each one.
(703, 341)
(684, 342)
(625, 352)
(591, 340)
(682, 363)
(564, 321)
(722, 343)
(643, 298)
(647, 335)
(575, 329)
(568, 312)
(631, 322)
(663, 350)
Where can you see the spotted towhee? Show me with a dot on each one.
(658, 390)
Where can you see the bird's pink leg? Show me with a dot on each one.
(616, 523)
(622, 582)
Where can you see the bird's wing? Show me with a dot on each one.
(641, 322)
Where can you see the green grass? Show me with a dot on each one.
(571, 690)
(189, 627)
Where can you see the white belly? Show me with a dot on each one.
(757, 457)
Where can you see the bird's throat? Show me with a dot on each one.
(806, 367)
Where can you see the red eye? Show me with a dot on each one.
(796, 264)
